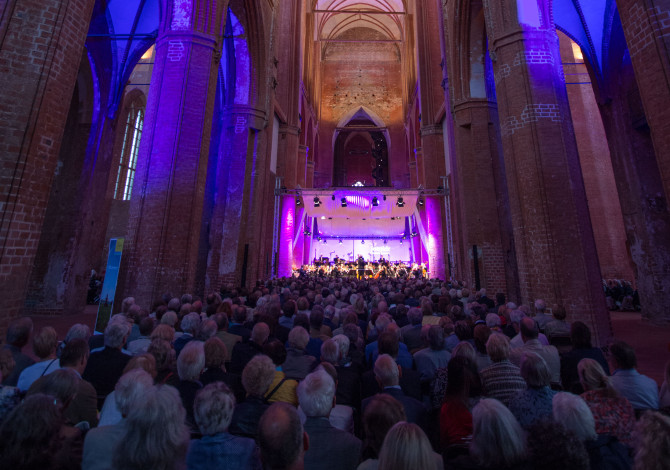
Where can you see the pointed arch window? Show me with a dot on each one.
(129, 150)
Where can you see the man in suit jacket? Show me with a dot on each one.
(329, 448)
(387, 375)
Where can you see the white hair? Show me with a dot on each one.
(78, 331)
(343, 344)
(386, 370)
(190, 323)
(213, 408)
(540, 305)
(191, 361)
(497, 438)
(298, 337)
(131, 389)
(575, 415)
(316, 393)
(516, 316)
(493, 320)
(116, 333)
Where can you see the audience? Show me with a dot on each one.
(281, 438)
(381, 413)
(45, 345)
(652, 437)
(534, 403)
(502, 379)
(552, 447)
(640, 390)
(531, 344)
(580, 335)
(256, 380)
(407, 447)
(18, 334)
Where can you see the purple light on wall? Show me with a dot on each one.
(434, 244)
(286, 236)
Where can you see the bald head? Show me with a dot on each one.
(528, 329)
(281, 438)
(260, 333)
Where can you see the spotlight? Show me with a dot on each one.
(385, 197)
(298, 202)
(400, 202)
(340, 242)
(385, 242)
(344, 202)
(307, 233)
(319, 238)
(325, 242)
(413, 234)
(317, 202)
(332, 197)
(362, 242)
(375, 201)
(420, 203)
(401, 241)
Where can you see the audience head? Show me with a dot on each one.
(215, 354)
(170, 318)
(481, 336)
(19, 331)
(572, 412)
(276, 351)
(415, 316)
(208, 329)
(316, 394)
(528, 329)
(191, 361)
(116, 334)
(258, 375)
(78, 331)
(281, 438)
(497, 438)
(540, 306)
(462, 378)
(386, 371)
(381, 413)
(623, 355)
(330, 352)
(388, 343)
(130, 390)
(580, 335)
(559, 312)
(75, 355)
(62, 384)
(493, 320)
(260, 333)
(593, 377)
(213, 408)
(436, 338)
(552, 447)
(163, 352)
(497, 347)
(298, 338)
(465, 349)
(146, 362)
(534, 371)
(406, 447)
(164, 332)
(7, 363)
(342, 345)
(652, 439)
(156, 436)
(190, 323)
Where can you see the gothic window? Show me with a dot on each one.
(129, 150)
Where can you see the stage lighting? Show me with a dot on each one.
(332, 197)
(340, 242)
(344, 202)
(413, 234)
(420, 203)
(362, 242)
(385, 242)
(400, 202)
(317, 202)
(298, 202)
(401, 241)
(307, 233)
(385, 197)
(375, 201)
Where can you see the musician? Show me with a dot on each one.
(336, 260)
(360, 263)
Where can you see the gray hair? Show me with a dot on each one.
(126, 303)
(208, 329)
(534, 370)
(540, 305)
(497, 347)
(298, 337)
(258, 375)
(497, 438)
(493, 320)
(516, 316)
(169, 318)
(415, 316)
(116, 333)
(156, 435)
(316, 393)
(343, 344)
(386, 370)
(574, 414)
(464, 349)
(131, 389)
(78, 331)
(174, 304)
(191, 361)
(190, 323)
(213, 408)
(330, 352)
(383, 321)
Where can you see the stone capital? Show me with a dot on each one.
(432, 129)
(246, 116)
(289, 129)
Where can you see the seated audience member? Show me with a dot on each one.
(17, 337)
(529, 335)
(213, 411)
(316, 327)
(605, 451)
(381, 413)
(652, 437)
(329, 447)
(45, 345)
(552, 447)
(190, 364)
(76, 331)
(558, 326)
(215, 369)
(534, 403)
(411, 334)
(245, 350)
(455, 417)
(387, 375)
(450, 338)
(281, 438)
(640, 390)
(348, 373)
(190, 325)
(613, 414)
(229, 339)
(410, 380)
(439, 390)
(10, 396)
(141, 344)
(407, 447)
(236, 326)
(434, 357)
(498, 442)
(166, 370)
(163, 332)
(541, 317)
(502, 379)
(100, 443)
(105, 367)
(664, 394)
(110, 413)
(281, 388)
(481, 335)
(156, 436)
(288, 310)
(256, 379)
(34, 436)
(580, 336)
(341, 416)
(298, 363)
(208, 329)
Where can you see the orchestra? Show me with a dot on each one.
(362, 268)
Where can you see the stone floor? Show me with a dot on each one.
(651, 342)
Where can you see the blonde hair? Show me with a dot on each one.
(652, 436)
(164, 332)
(593, 377)
(406, 447)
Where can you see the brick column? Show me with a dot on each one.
(41, 43)
(301, 168)
(556, 252)
(646, 25)
(167, 200)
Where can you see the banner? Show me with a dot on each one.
(109, 285)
